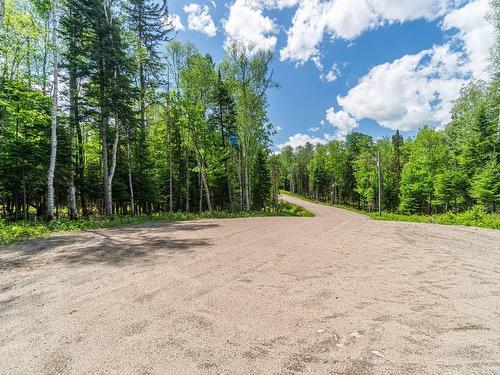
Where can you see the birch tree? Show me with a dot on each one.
(54, 110)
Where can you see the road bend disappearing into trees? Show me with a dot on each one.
(334, 294)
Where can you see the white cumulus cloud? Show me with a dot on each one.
(407, 92)
(247, 25)
(342, 121)
(174, 20)
(348, 19)
(306, 32)
(300, 139)
(420, 88)
(199, 19)
(475, 32)
(331, 75)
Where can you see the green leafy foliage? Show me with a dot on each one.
(23, 230)
(477, 216)
(439, 172)
(139, 131)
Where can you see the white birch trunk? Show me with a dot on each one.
(108, 197)
(53, 133)
(205, 184)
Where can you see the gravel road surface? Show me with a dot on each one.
(334, 294)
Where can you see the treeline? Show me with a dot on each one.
(438, 171)
(103, 112)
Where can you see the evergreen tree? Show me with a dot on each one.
(486, 186)
(223, 120)
(148, 21)
(262, 181)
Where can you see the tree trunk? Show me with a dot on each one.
(81, 169)
(25, 203)
(204, 180)
(200, 186)
(130, 184)
(229, 189)
(169, 156)
(188, 177)
(108, 199)
(379, 175)
(111, 171)
(240, 177)
(247, 183)
(73, 212)
(53, 134)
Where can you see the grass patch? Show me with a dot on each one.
(23, 230)
(475, 217)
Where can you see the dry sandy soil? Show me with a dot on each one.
(334, 294)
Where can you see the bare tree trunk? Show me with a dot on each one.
(379, 175)
(4, 208)
(73, 212)
(170, 180)
(81, 169)
(108, 201)
(204, 180)
(229, 188)
(130, 184)
(188, 177)
(111, 172)
(25, 203)
(169, 148)
(247, 181)
(53, 135)
(240, 177)
(200, 204)
(226, 167)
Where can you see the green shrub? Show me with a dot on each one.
(22, 230)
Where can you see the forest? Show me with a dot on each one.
(453, 169)
(103, 112)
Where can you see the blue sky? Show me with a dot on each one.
(351, 65)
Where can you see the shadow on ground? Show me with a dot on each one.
(116, 246)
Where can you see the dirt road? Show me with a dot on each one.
(334, 294)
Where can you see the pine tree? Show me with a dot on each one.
(223, 118)
(73, 30)
(110, 82)
(395, 168)
(148, 20)
(486, 186)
